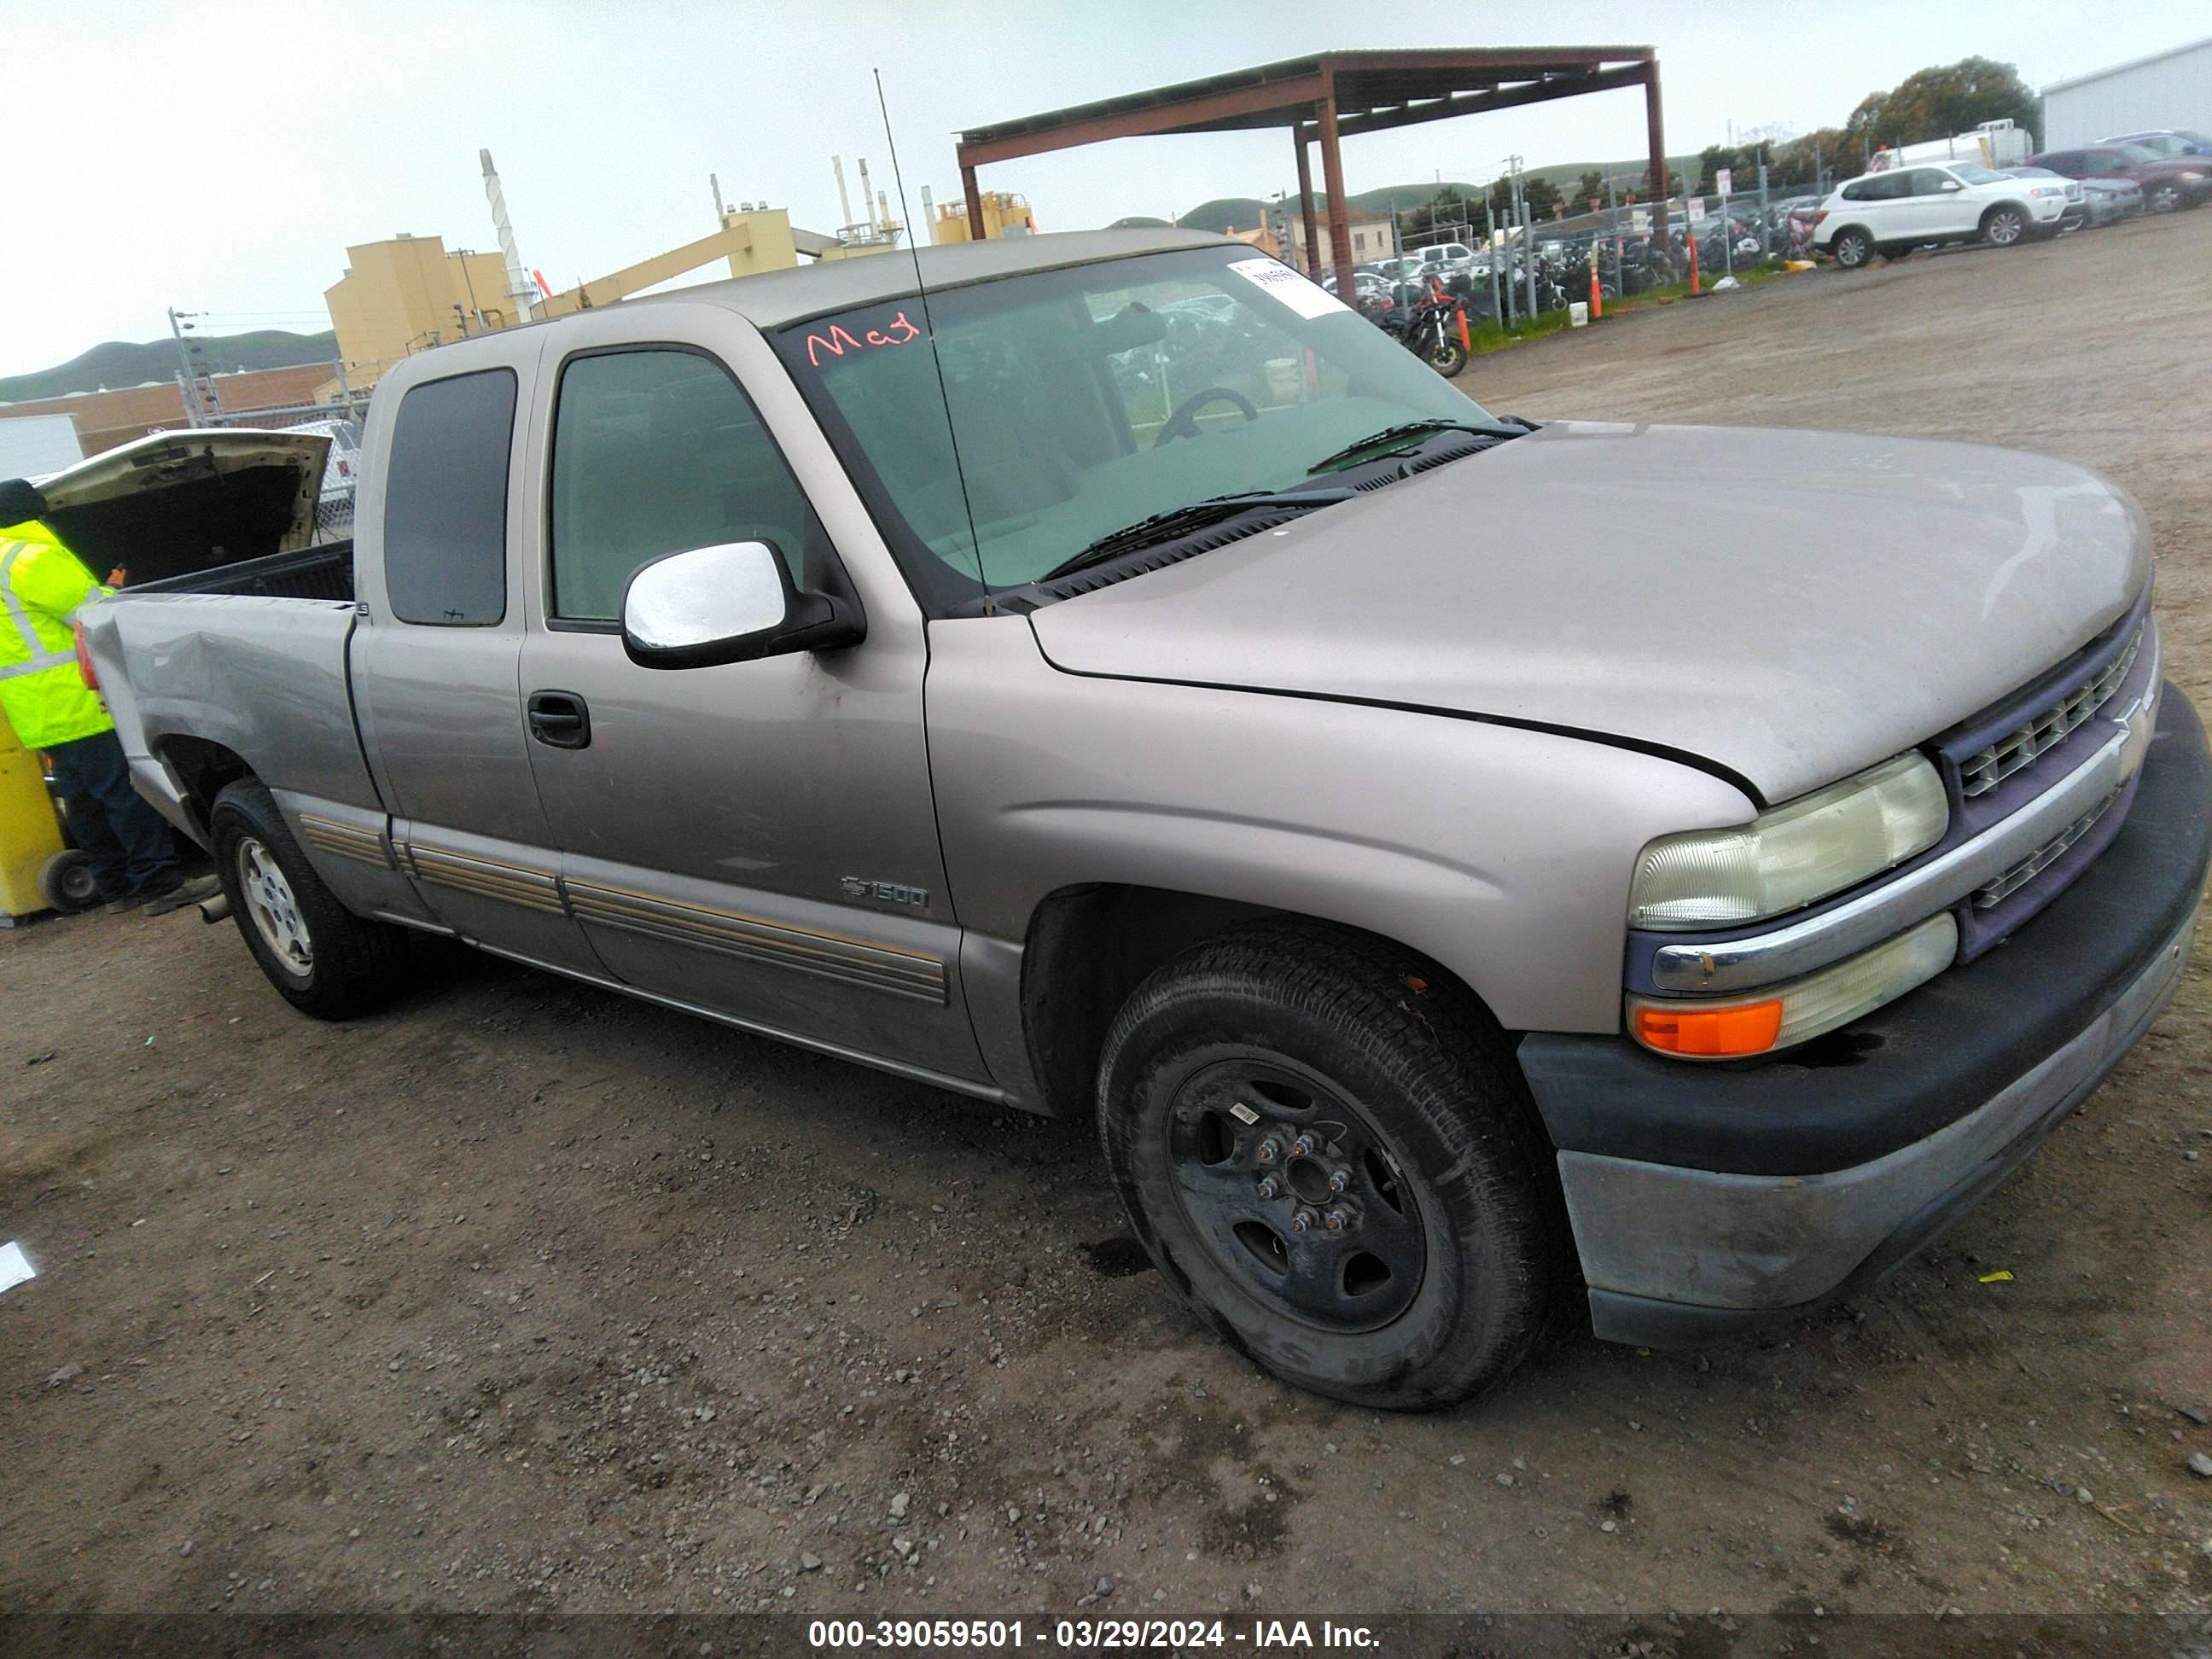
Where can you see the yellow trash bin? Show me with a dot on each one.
(29, 836)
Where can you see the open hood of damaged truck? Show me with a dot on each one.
(1790, 605)
(173, 502)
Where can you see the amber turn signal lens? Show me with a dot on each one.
(1745, 1029)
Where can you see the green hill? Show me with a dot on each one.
(1227, 213)
(121, 363)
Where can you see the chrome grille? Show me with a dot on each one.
(1981, 773)
(1996, 892)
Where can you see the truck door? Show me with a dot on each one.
(434, 662)
(755, 840)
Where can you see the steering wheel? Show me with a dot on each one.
(1183, 423)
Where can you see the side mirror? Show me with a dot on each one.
(1951, 185)
(729, 603)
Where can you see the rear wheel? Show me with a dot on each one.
(1851, 248)
(2004, 226)
(1326, 1150)
(322, 958)
(66, 883)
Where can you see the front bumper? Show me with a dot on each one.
(1703, 1199)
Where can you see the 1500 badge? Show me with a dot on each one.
(889, 892)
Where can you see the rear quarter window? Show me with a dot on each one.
(444, 501)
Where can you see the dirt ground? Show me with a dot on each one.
(521, 1297)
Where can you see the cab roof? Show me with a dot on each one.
(775, 298)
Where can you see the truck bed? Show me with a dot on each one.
(322, 572)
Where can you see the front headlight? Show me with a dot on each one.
(1791, 855)
(2192, 178)
(2048, 190)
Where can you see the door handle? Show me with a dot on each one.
(559, 719)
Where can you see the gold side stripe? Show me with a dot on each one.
(889, 969)
(346, 841)
(925, 983)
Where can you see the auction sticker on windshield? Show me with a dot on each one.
(1274, 277)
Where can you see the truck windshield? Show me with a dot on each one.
(1089, 399)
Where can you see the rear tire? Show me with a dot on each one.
(66, 883)
(322, 958)
(1406, 1255)
(1851, 249)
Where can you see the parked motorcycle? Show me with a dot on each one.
(1429, 328)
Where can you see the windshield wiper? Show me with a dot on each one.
(1399, 434)
(1181, 520)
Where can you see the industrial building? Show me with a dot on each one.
(2171, 89)
(1005, 213)
(1370, 236)
(399, 296)
(105, 418)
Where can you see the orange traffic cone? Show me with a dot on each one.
(1597, 295)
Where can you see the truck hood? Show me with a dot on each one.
(173, 502)
(1789, 606)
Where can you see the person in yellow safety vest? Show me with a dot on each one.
(42, 690)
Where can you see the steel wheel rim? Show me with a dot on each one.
(1306, 1206)
(271, 906)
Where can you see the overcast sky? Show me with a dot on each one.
(219, 157)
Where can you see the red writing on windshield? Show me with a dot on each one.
(839, 341)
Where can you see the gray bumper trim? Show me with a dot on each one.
(1771, 1242)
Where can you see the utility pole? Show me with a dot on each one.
(197, 397)
(1502, 314)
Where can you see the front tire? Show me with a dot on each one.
(322, 958)
(2162, 198)
(2004, 227)
(1446, 355)
(1851, 249)
(1326, 1149)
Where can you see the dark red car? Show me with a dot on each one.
(2168, 181)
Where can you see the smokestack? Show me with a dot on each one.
(518, 292)
(929, 215)
(844, 201)
(882, 209)
(867, 195)
(716, 182)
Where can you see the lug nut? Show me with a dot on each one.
(1339, 1180)
(1339, 1219)
(1270, 1187)
(1305, 1220)
(1303, 1145)
(1269, 1151)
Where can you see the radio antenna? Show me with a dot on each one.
(937, 362)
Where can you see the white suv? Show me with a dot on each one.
(1955, 202)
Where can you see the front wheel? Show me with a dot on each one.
(322, 958)
(2004, 227)
(1445, 354)
(2162, 198)
(1327, 1150)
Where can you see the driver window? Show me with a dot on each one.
(655, 451)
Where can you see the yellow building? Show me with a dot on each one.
(409, 294)
(1001, 210)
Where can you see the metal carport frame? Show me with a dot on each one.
(1330, 97)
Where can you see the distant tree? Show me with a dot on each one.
(1711, 159)
(1935, 103)
(1541, 195)
(1590, 189)
(1672, 184)
(1866, 120)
